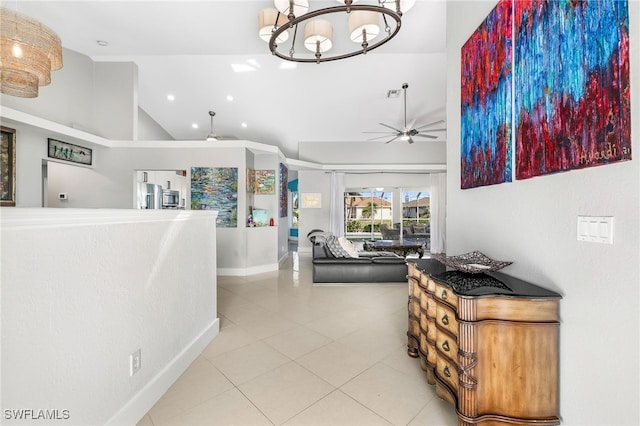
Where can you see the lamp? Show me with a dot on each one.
(270, 20)
(211, 137)
(365, 23)
(29, 51)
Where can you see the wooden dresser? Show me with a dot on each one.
(488, 342)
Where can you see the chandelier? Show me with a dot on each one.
(29, 51)
(368, 25)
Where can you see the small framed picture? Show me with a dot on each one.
(8, 167)
(69, 152)
(311, 200)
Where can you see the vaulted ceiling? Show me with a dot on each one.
(189, 48)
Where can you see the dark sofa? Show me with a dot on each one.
(374, 267)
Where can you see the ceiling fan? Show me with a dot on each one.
(407, 133)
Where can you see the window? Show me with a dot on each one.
(416, 215)
(365, 210)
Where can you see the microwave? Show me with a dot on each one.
(170, 198)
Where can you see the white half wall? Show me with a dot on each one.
(83, 289)
(534, 224)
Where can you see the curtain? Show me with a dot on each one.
(336, 221)
(438, 195)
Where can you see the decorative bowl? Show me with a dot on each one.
(473, 262)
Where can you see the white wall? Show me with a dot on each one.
(149, 129)
(83, 289)
(533, 223)
(374, 152)
(97, 97)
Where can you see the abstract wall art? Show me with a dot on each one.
(572, 97)
(265, 182)
(216, 188)
(284, 194)
(486, 101)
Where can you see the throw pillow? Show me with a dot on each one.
(319, 237)
(335, 248)
(348, 247)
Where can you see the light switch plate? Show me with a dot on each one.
(595, 229)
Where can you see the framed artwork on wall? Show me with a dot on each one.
(8, 167)
(216, 188)
(265, 182)
(284, 194)
(311, 200)
(69, 152)
(572, 94)
(486, 101)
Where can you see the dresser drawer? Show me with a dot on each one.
(448, 346)
(431, 329)
(445, 294)
(427, 283)
(448, 372)
(446, 319)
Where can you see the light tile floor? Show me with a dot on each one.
(291, 353)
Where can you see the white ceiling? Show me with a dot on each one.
(187, 48)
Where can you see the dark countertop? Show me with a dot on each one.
(485, 284)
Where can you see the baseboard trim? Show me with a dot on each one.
(141, 402)
(241, 272)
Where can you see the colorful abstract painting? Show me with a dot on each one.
(486, 110)
(284, 194)
(216, 188)
(265, 181)
(572, 96)
(251, 181)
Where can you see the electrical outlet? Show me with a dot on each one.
(135, 362)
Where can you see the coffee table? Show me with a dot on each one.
(401, 247)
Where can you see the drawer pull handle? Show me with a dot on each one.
(445, 346)
(445, 319)
(444, 294)
(447, 372)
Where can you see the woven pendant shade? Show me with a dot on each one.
(29, 51)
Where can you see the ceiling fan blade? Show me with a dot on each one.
(410, 140)
(426, 136)
(378, 137)
(390, 127)
(435, 130)
(392, 140)
(430, 124)
(387, 133)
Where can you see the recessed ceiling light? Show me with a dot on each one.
(229, 98)
(244, 124)
(194, 125)
(102, 43)
(171, 97)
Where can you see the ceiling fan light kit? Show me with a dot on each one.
(408, 132)
(365, 22)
